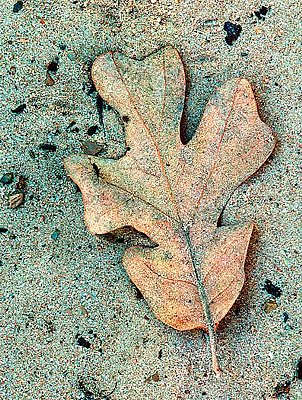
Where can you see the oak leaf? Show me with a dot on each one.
(175, 193)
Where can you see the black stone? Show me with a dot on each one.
(262, 13)
(272, 289)
(285, 317)
(83, 342)
(53, 66)
(19, 109)
(92, 130)
(233, 32)
(18, 6)
(48, 147)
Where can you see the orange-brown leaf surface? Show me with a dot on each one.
(175, 193)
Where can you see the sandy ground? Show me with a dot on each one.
(71, 324)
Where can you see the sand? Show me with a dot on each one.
(71, 324)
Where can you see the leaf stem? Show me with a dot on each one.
(206, 307)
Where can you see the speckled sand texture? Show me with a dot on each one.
(72, 326)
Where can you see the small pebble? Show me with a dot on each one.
(16, 200)
(261, 14)
(55, 235)
(92, 148)
(71, 56)
(12, 70)
(72, 127)
(285, 317)
(233, 32)
(19, 109)
(53, 66)
(49, 80)
(48, 147)
(270, 306)
(18, 6)
(272, 289)
(288, 327)
(83, 342)
(92, 130)
(7, 178)
(155, 378)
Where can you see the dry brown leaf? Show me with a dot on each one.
(175, 193)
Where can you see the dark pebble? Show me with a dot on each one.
(72, 123)
(282, 388)
(48, 147)
(285, 317)
(18, 6)
(72, 127)
(92, 130)
(262, 13)
(53, 66)
(83, 342)
(233, 32)
(272, 289)
(155, 378)
(19, 109)
(7, 178)
(3, 230)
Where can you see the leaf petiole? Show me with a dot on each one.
(206, 307)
